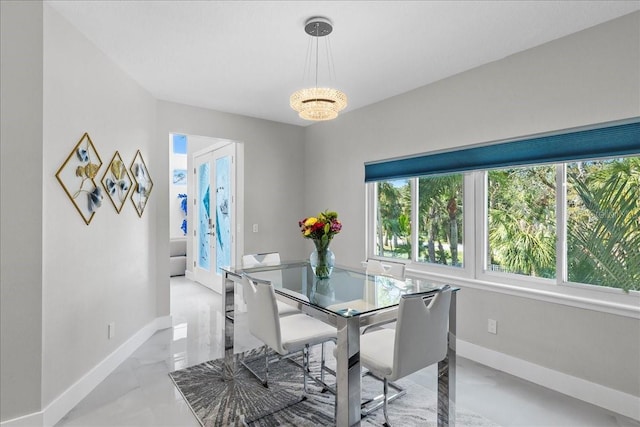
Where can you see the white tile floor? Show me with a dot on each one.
(140, 393)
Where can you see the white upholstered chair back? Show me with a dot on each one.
(264, 321)
(255, 260)
(273, 276)
(386, 268)
(421, 333)
(265, 259)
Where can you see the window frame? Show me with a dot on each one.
(474, 272)
(483, 273)
(466, 271)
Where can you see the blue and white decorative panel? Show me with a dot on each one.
(179, 177)
(223, 219)
(204, 255)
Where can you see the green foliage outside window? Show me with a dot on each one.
(439, 219)
(602, 221)
(522, 221)
(393, 233)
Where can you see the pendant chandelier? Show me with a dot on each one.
(318, 103)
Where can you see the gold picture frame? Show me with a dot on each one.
(77, 178)
(143, 183)
(117, 182)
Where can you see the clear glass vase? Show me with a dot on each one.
(322, 261)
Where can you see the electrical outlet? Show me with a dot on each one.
(111, 330)
(255, 228)
(492, 327)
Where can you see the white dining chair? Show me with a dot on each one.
(386, 268)
(275, 276)
(419, 340)
(255, 260)
(285, 335)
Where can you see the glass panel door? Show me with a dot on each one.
(214, 213)
(223, 210)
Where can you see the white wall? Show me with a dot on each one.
(104, 272)
(585, 78)
(21, 212)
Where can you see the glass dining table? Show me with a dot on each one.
(349, 300)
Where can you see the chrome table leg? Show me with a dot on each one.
(348, 375)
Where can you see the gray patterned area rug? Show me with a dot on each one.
(216, 402)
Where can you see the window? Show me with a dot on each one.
(603, 222)
(393, 219)
(522, 221)
(556, 209)
(440, 233)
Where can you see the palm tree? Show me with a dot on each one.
(386, 201)
(392, 214)
(603, 228)
(439, 207)
(521, 246)
(522, 220)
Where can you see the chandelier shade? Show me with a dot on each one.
(318, 103)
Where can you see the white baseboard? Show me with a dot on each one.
(30, 420)
(81, 388)
(190, 275)
(596, 394)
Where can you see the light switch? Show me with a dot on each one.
(492, 327)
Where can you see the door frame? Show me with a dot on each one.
(237, 218)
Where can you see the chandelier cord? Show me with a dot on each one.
(317, 39)
(331, 65)
(306, 72)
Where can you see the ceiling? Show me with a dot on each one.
(247, 57)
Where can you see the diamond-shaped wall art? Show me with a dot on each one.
(142, 183)
(77, 177)
(117, 182)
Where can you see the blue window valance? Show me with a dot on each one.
(605, 140)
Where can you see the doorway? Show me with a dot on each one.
(214, 210)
